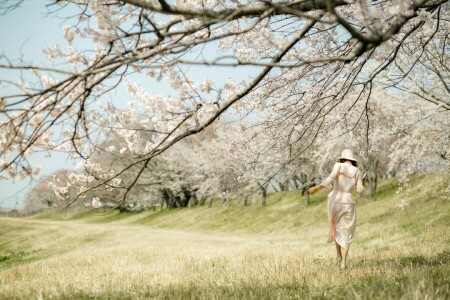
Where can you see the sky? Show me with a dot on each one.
(24, 32)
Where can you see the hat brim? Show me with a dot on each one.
(346, 158)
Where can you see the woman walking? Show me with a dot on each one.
(341, 205)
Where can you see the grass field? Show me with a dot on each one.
(272, 252)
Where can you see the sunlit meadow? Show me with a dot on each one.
(273, 252)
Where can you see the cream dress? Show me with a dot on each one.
(341, 206)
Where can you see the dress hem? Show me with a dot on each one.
(340, 244)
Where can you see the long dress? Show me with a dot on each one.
(341, 205)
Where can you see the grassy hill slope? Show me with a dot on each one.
(276, 251)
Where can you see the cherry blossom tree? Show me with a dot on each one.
(41, 198)
(195, 169)
(307, 58)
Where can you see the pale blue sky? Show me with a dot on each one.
(23, 33)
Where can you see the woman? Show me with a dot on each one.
(341, 205)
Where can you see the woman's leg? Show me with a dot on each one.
(338, 252)
(345, 230)
(344, 258)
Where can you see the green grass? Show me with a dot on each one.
(273, 252)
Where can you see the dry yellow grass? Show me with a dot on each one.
(395, 255)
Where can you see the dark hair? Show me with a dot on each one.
(354, 163)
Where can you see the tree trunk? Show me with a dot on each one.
(295, 181)
(194, 200)
(170, 199)
(187, 195)
(263, 194)
(122, 208)
(373, 183)
(284, 186)
(225, 198)
(372, 176)
(305, 188)
(306, 197)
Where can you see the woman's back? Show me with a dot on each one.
(344, 178)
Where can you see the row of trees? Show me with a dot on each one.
(318, 71)
(225, 163)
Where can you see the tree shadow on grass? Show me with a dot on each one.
(442, 258)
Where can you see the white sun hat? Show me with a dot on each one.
(348, 155)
